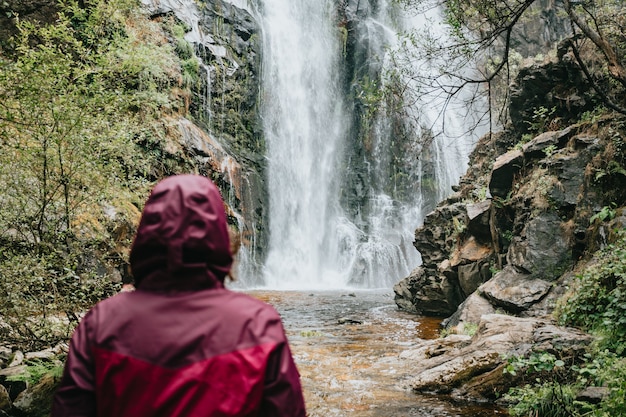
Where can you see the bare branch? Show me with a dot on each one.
(616, 69)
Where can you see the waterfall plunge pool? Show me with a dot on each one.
(347, 345)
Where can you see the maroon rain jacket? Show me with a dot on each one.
(181, 344)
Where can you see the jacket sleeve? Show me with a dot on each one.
(75, 396)
(282, 395)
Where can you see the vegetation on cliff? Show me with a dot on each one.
(595, 385)
(82, 100)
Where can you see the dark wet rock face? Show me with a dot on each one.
(557, 88)
(543, 249)
(511, 238)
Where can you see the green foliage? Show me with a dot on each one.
(549, 150)
(593, 116)
(606, 213)
(468, 329)
(547, 391)
(311, 333)
(41, 297)
(507, 235)
(526, 137)
(598, 300)
(190, 63)
(535, 363)
(481, 193)
(459, 226)
(612, 168)
(37, 369)
(540, 119)
(545, 400)
(551, 397)
(493, 268)
(597, 303)
(81, 139)
(612, 374)
(67, 134)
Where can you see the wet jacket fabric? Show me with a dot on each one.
(181, 344)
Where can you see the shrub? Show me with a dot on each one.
(597, 301)
(79, 99)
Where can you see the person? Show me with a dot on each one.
(181, 344)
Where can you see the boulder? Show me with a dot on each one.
(474, 369)
(472, 275)
(403, 290)
(14, 388)
(538, 145)
(5, 399)
(470, 311)
(436, 236)
(470, 251)
(478, 219)
(504, 169)
(514, 291)
(428, 294)
(36, 401)
(556, 88)
(543, 248)
(593, 395)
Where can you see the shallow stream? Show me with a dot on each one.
(347, 346)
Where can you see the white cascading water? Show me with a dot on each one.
(313, 244)
(455, 130)
(304, 123)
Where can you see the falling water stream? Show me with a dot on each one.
(314, 241)
(304, 121)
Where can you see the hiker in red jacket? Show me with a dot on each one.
(181, 344)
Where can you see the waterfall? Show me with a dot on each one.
(304, 122)
(347, 186)
(315, 242)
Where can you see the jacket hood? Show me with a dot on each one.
(182, 240)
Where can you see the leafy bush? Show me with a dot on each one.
(598, 300)
(81, 139)
(597, 303)
(545, 400)
(41, 299)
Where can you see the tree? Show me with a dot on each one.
(482, 36)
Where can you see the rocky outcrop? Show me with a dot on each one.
(29, 380)
(472, 367)
(221, 132)
(524, 218)
(539, 91)
(515, 247)
(520, 219)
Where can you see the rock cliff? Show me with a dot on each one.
(525, 217)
